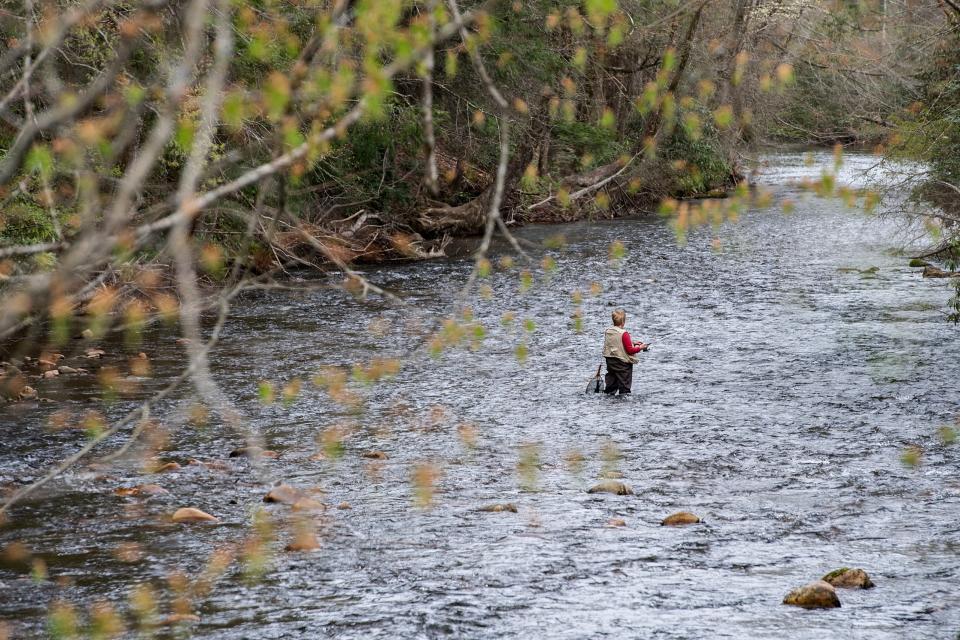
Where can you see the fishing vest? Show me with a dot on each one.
(613, 345)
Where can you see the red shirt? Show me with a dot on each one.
(628, 345)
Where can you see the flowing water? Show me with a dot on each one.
(787, 378)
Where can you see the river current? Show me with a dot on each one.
(792, 365)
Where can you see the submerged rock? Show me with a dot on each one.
(163, 467)
(189, 514)
(308, 504)
(499, 508)
(141, 490)
(343, 506)
(179, 618)
(215, 465)
(252, 452)
(375, 455)
(846, 578)
(680, 519)
(816, 595)
(611, 486)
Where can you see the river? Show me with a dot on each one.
(786, 379)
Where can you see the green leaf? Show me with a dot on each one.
(40, 161)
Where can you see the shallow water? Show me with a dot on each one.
(781, 390)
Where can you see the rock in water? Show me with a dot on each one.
(499, 508)
(679, 519)
(252, 452)
(189, 514)
(285, 494)
(179, 618)
(935, 272)
(846, 578)
(303, 542)
(308, 504)
(141, 490)
(616, 522)
(816, 595)
(374, 455)
(611, 486)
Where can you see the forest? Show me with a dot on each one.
(276, 275)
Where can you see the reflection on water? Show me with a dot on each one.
(782, 387)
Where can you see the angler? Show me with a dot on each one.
(620, 351)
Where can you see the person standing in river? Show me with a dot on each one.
(620, 351)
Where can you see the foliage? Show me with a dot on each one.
(25, 222)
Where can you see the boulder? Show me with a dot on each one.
(499, 508)
(375, 455)
(27, 393)
(611, 486)
(189, 514)
(51, 373)
(95, 354)
(66, 369)
(680, 519)
(816, 595)
(12, 382)
(917, 262)
(343, 506)
(846, 578)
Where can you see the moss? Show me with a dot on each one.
(835, 574)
